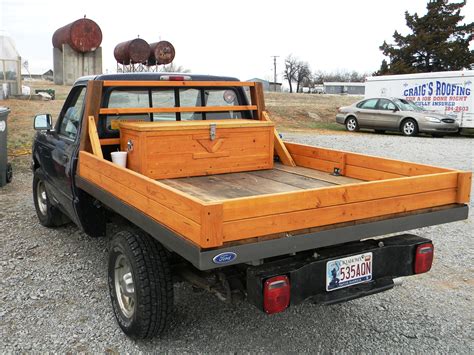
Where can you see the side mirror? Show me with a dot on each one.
(43, 122)
(395, 109)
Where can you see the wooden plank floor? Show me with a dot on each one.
(252, 183)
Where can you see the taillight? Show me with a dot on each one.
(276, 294)
(424, 258)
(175, 77)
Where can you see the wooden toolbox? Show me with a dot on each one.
(161, 150)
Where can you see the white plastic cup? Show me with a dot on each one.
(119, 158)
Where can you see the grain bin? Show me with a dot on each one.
(83, 36)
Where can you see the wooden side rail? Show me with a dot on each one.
(137, 110)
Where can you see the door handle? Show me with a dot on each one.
(66, 158)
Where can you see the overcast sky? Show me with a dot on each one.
(235, 38)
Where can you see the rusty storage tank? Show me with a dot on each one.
(161, 53)
(135, 51)
(83, 36)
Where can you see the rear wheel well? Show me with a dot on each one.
(350, 116)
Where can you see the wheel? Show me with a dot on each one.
(140, 284)
(352, 125)
(379, 131)
(409, 127)
(48, 215)
(9, 172)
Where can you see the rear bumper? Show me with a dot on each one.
(392, 257)
(340, 118)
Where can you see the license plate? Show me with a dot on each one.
(348, 271)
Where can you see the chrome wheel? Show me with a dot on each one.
(124, 286)
(351, 124)
(42, 198)
(408, 128)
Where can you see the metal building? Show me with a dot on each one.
(344, 88)
(268, 85)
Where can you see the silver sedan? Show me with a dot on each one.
(383, 114)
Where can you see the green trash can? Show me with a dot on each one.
(5, 167)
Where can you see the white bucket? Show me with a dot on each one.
(119, 158)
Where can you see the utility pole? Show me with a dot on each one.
(275, 71)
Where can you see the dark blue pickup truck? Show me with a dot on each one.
(211, 195)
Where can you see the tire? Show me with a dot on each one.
(409, 127)
(48, 215)
(351, 124)
(9, 173)
(379, 131)
(140, 284)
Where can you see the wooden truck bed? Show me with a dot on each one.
(213, 208)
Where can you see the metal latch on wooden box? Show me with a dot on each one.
(212, 131)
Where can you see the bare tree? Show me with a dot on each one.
(173, 68)
(303, 73)
(291, 68)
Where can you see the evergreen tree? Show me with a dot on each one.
(438, 42)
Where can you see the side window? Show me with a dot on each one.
(369, 104)
(72, 117)
(385, 104)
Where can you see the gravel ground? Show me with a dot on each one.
(54, 292)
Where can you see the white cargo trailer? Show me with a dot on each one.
(444, 92)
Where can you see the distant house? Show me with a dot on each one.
(268, 85)
(344, 88)
(45, 76)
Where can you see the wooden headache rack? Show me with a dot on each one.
(215, 182)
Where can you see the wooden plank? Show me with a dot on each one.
(317, 164)
(180, 224)
(319, 198)
(229, 186)
(315, 174)
(369, 174)
(252, 227)
(211, 226)
(173, 199)
(139, 110)
(302, 182)
(315, 152)
(464, 187)
(94, 138)
(179, 127)
(109, 141)
(280, 148)
(92, 107)
(144, 83)
(392, 166)
(256, 96)
(369, 162)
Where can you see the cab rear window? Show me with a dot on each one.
(179, 97)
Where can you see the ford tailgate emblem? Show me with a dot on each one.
(224, 258)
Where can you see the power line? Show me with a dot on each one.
(274, 70)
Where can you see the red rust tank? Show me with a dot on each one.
(83, 36)
(135, 51)
(161, 53)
